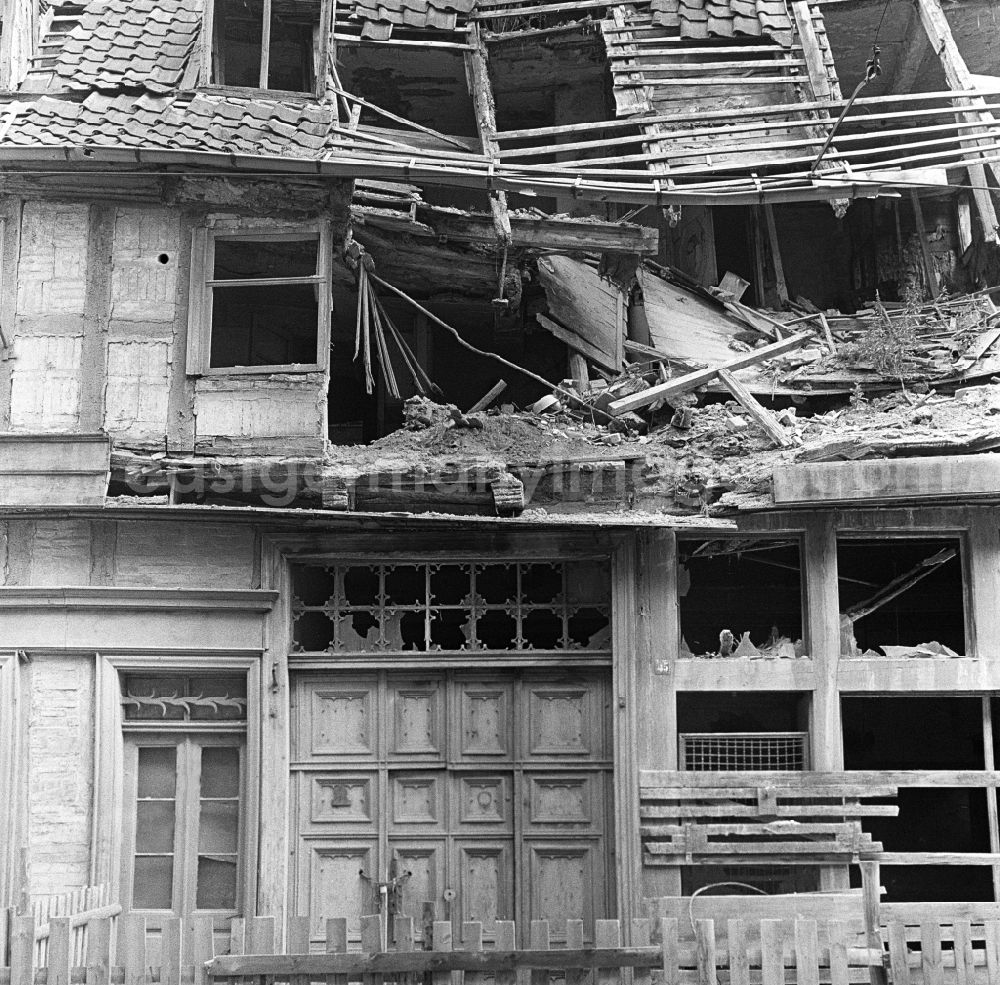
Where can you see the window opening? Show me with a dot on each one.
(472, 606)
(901, 597)
(925, 733)
(756, 731)
(740, 598)
(267, 44)
(184, 782)
(265, 301)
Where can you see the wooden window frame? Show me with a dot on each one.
(12, 774)
(110, 805)
(320, 89)
(185, 737)
(199, 341)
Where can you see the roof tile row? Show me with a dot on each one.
(700, 19)
(130, 45)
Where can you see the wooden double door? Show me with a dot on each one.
(486, 795)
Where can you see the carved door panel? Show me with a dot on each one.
(484, 794)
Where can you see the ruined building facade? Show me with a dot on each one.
(292, 627)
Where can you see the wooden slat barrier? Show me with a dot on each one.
(927, 944)
(746, 818)
(761, 954)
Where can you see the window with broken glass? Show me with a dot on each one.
(269, 44)
(184, 788)
(260, 300)
(471, 606)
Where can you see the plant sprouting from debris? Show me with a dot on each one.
(858, 399)
(888, 341)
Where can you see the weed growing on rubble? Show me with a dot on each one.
(888, 341)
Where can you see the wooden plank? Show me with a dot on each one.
(237, 935)
(772, 236)
(642, 930)
(22, 949)
(670, 954)
(930, 954)
(132, 948)
(170, 950)
(98, 959)
(260, 935)
(607, 936)
(505, 941)
(819, 80)
(764, 419)
(837, 931)
(965, 973)
(870, 895)
(336, 943)
(298, 943)
(704, 935)
(574, 941)
(772, 962)
(806, 952)
(991, 932)
(442, 943)
(739, 955)
(203, 947)
(727, 808)
(578, 343)
(690, 381)
(472, 940)
(898, 952)
(59, 951)
(371, 943)
(930, 271)
(423, 962)
(539, 942)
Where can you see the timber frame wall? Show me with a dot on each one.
(112, 626)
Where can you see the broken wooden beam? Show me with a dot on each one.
(487, 398)
(763, 417)
(691, 381)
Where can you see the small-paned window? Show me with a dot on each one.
(260, 301)
(268, 44)
(527, 605)
(184, 790)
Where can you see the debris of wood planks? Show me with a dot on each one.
(585, 305)
(690, 381)
(763, 417)
(487, 398)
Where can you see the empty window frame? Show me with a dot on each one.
(945, 807)
(740, 597)
(260, 299)
(184, 795)
(270, 44)
(501, 605)
(901, 596)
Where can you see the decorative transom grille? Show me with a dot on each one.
(745, 750)
(181, 698)
(527, 605)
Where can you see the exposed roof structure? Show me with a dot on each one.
(379, 17)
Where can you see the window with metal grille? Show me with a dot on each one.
(744, 750)
(505, 606)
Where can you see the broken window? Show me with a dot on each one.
(946, 814)
(901, 597)
(184, 786)
(268, 44)
(740, 598)
(264, 304)
(758, 731)
(535, 605)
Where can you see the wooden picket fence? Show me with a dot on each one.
(81, 906)
(661, 952)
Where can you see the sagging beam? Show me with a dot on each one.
(938, 31)
(541, 233)
(482, 101)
